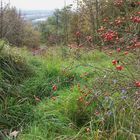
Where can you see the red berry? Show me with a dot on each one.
(114, 62)
(118, 49)
(54, 87)
(126, 53)
(137, 84)
(109, 36)
(119, 67)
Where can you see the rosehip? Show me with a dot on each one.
(54, 87)
(126, 53)
(119, 67)
(137, 84)
(114, 62)
(118, 49)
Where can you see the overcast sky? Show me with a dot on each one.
(38, 4)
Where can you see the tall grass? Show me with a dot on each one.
(92, 100)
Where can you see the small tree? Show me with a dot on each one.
(14, 29)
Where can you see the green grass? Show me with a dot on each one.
(88, 75)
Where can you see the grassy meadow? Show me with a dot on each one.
(67, 94)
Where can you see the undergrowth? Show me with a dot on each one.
(66, 98)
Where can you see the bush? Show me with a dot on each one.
(13, 70)
(15, 30)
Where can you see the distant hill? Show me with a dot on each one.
(36, 15)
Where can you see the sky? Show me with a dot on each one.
(38, 4)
